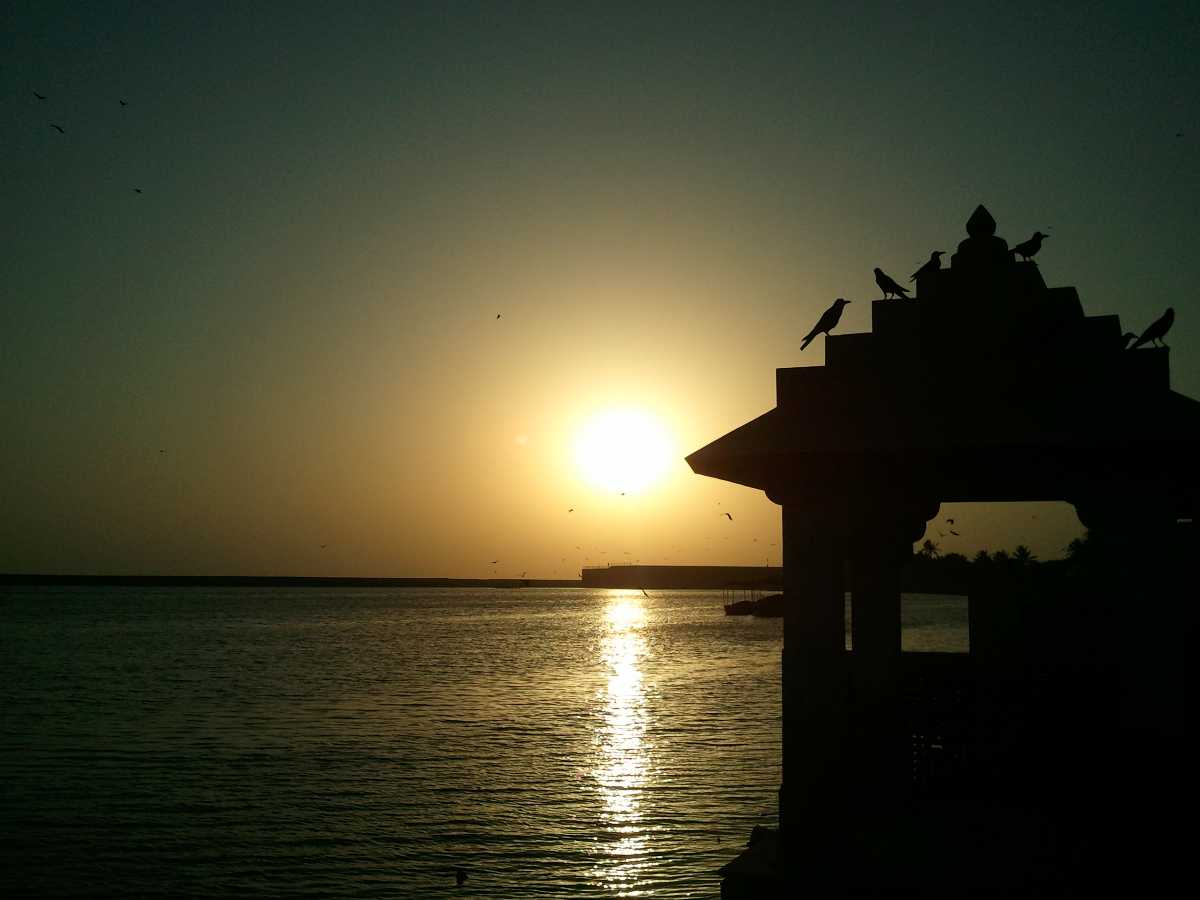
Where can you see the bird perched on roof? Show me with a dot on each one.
(935, 263)
(1157, 329)
(887, 285)
(828, 320)
(1026, 249)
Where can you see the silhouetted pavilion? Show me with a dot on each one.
(989, 386)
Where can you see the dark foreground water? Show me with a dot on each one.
(364, 743)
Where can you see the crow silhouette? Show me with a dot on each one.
(1157, 330)
(1027, 249)
(58, 128)
(828, 320)
(935, 263)
(888, 286)
(39, 96)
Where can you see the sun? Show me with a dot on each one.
(623, 450)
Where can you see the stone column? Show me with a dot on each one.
(814, 679)
(881, 748)
(1140, 563)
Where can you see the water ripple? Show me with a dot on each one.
(364, 743)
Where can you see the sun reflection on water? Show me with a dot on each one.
(622, 761)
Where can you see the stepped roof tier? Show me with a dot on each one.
(989, 385)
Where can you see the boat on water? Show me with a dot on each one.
(769, 606)
(740, 608)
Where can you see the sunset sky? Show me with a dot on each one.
(290, 339)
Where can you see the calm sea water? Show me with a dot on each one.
(364, 743)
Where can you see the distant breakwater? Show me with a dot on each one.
(269, 581)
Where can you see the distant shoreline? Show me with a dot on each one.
(626, 577)
(266, 581)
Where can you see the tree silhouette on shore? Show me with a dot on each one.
(933, 571)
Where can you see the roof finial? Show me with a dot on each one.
(981, 224)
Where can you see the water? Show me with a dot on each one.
(364, 743)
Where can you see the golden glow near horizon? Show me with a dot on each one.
(623, 450)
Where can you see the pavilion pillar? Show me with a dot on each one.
(811, 798)
(1143, 562)
(881, 746)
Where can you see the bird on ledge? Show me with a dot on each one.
(828, 320)
(888, 286)
(1157, 330)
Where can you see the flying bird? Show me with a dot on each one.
(1157, 330)
(57, 128)
(935, 263)
(494, 561)
(953, 532)
(39, 96)
(949, 521)
(122, 102)
(572, 509)
(828, 320)
(497, 315)
(1027, 249)
(728, 516)
(137, 190)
